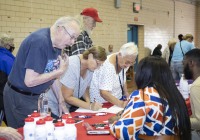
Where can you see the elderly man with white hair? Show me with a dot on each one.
(37, 66)
(89, 17)
(109, 82)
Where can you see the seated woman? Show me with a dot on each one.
(156, 110)
(76, 80)
(109, 82)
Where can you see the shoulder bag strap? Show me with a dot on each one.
(181, 49)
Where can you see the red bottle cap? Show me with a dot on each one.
(48, 118)
(29, 119)
(35, 114)
(40, 122)
(59, 124)
(65, 116)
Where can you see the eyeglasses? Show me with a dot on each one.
(130, 63)
(71, 37)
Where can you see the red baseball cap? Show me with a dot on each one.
(92, 13)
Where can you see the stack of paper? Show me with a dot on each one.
(114, 109)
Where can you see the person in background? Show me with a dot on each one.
(156, 110)
(181, 47)
(89, 18)
(76, 80)
(109, 82)
(6, 62)
(168, 51)
(191, 69)
(188, 37)
(157, 50)
(110, 49)
(9, 133)
(37, 66)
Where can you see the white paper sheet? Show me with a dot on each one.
(114, 109)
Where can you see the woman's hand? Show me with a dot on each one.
(95, 106)
(123, 104)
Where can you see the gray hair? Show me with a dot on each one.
(6, 40)
(62, 21)
(129, 49)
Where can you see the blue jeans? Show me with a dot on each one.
(176, 69)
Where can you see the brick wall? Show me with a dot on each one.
(155, 19)
(198, 27)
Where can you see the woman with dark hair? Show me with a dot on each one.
(156, 110)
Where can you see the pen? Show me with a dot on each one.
(101, 114)
(83, 116)
(87, 126)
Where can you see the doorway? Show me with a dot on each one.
(132, 36)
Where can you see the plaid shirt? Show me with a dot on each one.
(82, 43)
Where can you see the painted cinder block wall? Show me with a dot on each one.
(158, 20)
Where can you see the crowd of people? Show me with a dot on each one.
(75, 73)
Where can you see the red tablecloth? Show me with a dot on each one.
(81, 131)
(187, 101)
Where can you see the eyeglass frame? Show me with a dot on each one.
(71, 37)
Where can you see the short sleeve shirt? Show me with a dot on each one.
(106, 78)
(36, 53)
(72, 79)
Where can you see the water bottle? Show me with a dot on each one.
(59, 131)
(40, 130)
(49, 127)
(29, 128)
(184, 87)
(70, 129)
(43, 105)
(36, 116)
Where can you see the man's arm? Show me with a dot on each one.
(33, 78)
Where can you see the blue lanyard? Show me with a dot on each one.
(119, 76)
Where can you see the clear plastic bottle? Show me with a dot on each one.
(184, 87)
(59, 133)
(49, 127)
(43, 105)
(29, 128)
(70, 129)
(40, 130)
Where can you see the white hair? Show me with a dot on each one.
(62, 21)
(5, 40)
(129, 49)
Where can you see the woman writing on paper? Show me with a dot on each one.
(76, 80)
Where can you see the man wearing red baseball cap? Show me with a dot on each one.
(83, 42)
